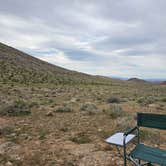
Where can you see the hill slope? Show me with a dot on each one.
(17, 66)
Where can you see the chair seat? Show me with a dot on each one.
(149, 154)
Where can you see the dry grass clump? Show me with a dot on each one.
(64, 109)
(81, 138)
(147, 135)
(144, 101)
(115, 111)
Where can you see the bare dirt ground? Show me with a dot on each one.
(68, 125)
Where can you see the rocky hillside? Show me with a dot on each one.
(17, 66)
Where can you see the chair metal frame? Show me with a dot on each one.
(126, 156)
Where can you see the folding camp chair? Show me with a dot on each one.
(141, 152)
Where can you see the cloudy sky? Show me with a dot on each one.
(120, 38)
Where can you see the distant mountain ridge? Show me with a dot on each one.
(17, 66)
(137, 80)
(163, 83)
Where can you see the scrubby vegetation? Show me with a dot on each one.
(17, 108)
(147, 100)
(71, 121)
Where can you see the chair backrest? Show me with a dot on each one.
(157, 121)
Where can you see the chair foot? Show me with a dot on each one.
(149, 164)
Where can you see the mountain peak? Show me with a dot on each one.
(136, 80)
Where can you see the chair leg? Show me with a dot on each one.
(125, 162)
(135, 162)
(139, 161)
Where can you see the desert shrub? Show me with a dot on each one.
(115, 111)
(9, 133)
(81, 139)
(89, 108)
(146, 100)
(163, 99)
(42, 133)
(64, 109)
(17, 108)
(113, 100)
(20, 104)
(6, 130)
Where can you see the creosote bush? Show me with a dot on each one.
(6, 130)
(113, 100)
(17, 108)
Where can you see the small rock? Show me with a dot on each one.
(13, 135)
(156, 146)
(49, 113)
(8, 147)
(9, 164)
(24, 136)
(73, 100)
(15, 157)
(99, 130)
(152, 105)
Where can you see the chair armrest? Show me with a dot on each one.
(130, 131)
